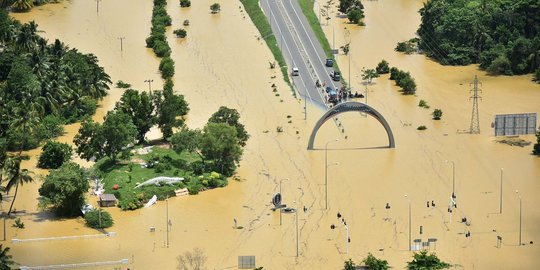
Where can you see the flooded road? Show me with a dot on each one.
(221, 62)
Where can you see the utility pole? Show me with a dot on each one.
(149, 84)
(500, 198)
(97, 6)
(475, 119)
(517, 192)
(121, 43)
(409, 221)
(167, 209)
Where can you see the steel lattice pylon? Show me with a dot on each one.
(475, 119)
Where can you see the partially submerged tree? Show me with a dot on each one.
(423, 261)
(15, 176)
(215, 8)
(373, 263)
(63, 190)
(349, 265)
(232, 118)
(195, 260)
(98, 219)
(108, 139)
(219, 143)
(54, 154)
(383, 67)
(171, 109)
(437, 114)
(140, 108)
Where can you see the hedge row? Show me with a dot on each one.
(404, 80)
(158, 40)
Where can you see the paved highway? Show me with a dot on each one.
(300, 48)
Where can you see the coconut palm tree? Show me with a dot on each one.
(6, 261)
(15, 176)
(27, 37)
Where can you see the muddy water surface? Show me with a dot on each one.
(223, 63)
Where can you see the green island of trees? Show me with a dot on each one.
(501, 35)
(204, 158)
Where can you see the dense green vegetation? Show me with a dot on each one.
(501, 35)
(63, 190)
(370, 262)
(404, 80)
(383, 67)
(354, 10)
(132, 118)
(157, 39)
(185, 3)
(43, 86)
(54, 154)
(98, 219)
(215, 8)
(437, 114)
(261, 22)
(423, 260)
(536, 147)
(408, 46)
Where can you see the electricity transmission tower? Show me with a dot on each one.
(475, 119)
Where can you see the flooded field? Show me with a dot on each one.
(222, 62)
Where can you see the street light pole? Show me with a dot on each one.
(326, 171)
(517, 192)
(500, 198)
(296, 216)
(409, 221)
(121, 43)
(453, 178)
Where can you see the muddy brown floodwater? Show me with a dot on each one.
(221, 62)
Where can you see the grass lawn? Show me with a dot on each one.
(161, 162)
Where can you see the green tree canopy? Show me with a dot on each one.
(96, 140)
(140, 108)
(425, 261)
(54, 154)
(501, 35)
(63, 190)
(171, 109)
(185, 140)
(98, 219)
(219, 143)
(373, 263)
(232, 118)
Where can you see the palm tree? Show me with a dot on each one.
(16, 176)
(22, 5)
(27, 37)
(6, 261)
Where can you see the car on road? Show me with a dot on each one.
(336, 76)
(295, 71)
(332, 97)
(329, 62)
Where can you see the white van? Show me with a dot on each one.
(294, 71)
